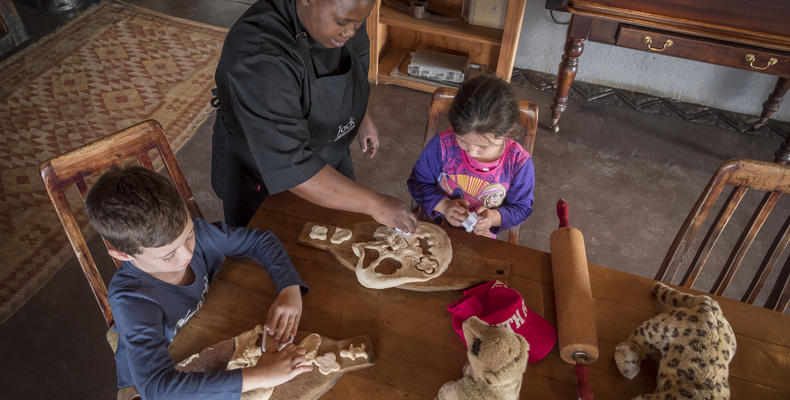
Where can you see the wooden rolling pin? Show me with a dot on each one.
(578, 337)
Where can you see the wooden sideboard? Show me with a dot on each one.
(747, 34)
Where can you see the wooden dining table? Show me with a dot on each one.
(417, 350)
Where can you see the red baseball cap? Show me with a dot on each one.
(497, 304)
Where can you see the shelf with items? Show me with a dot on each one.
(394, 35)
(458, 28)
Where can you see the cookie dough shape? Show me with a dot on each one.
(327, 363)
(416, 264)
(311, 343)
(340, 236)
(354, 352)
(318, 232)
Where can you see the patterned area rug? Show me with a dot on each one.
(111, 67)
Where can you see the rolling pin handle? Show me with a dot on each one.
(562, 213)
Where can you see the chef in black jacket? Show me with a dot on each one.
(292, 92)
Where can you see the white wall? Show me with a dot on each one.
(540, 49)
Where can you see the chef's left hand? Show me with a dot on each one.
(488, 218)
(284, 314)
(368, 137)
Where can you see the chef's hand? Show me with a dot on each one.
(488, 218)
(395, 213)
(455, 211)
(368, 137)
(275, 367)
(284, 314)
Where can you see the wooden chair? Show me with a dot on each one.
(443, 98)
(73, 167)
(742, 175)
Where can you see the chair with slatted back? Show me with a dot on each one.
(742, 175)
(74, 167)
(440, 105)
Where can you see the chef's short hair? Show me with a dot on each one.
(134, 207)
(484, 104)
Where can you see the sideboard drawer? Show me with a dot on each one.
(705, 50)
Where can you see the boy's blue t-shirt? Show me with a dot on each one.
(148, 312)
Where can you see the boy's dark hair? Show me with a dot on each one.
(135, 207)
(485, 104)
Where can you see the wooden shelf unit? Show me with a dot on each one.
(393, 34)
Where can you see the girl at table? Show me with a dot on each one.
(476, 166)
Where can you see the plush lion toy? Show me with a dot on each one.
(497, 360)
(693, 341)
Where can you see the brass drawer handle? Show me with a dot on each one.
(649, 41)
(751, 58)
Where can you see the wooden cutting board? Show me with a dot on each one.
(466, 269)
(309, 385)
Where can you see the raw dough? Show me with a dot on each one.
(188, 360)
(311, 343)
(318, 232)
(246, 353)
(354, 352)
(416, 264)
(340, 236)
(327, 363)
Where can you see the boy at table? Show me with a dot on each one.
(168, 262)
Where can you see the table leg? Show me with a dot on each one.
(578, 30)
(772, 103)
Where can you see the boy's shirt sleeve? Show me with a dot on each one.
(140, 325)
(258, 245)
(517, 205)
(423, 182)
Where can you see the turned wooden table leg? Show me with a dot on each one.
(772, 103)
(578, 30)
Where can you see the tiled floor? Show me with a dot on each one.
(630, 179)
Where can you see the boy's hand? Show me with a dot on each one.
(488, 218)
(275, 367)
(285, 313)
(455, 211)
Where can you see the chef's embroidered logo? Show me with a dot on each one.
(343, 130)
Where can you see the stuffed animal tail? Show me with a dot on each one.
(676, 298)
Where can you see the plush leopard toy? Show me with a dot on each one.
(695, 342)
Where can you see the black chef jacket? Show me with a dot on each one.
(261, 142)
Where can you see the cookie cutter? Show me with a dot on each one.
(470, 221)
(282, 346)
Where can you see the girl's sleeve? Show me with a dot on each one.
(423, 182)
(518, 202)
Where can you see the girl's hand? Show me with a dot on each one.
(455, 211)
(284, 314)
(488, 218)
(275, 367)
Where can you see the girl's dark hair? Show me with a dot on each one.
(134, 208)
(485, 104)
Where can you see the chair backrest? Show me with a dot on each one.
(74, 167)
(443, 98)
(742, 175)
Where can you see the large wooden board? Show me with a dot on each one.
(309, 385)
(466, 269)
